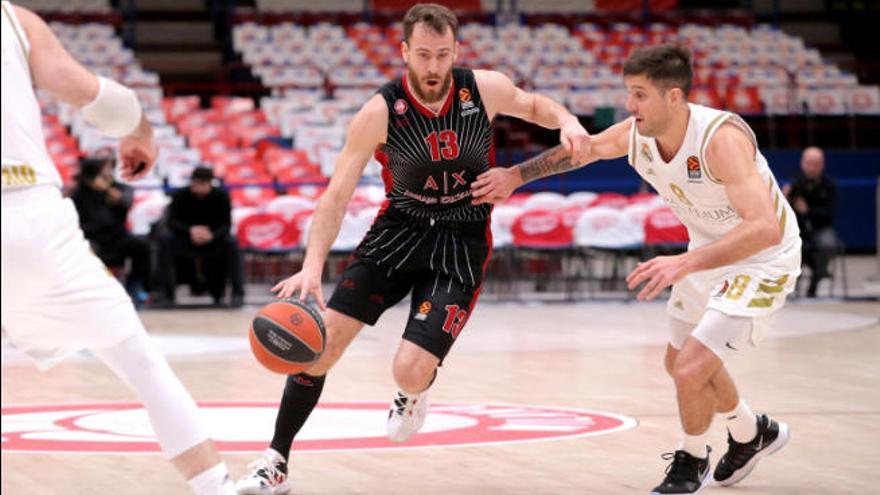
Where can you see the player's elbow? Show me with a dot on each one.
(770, 233)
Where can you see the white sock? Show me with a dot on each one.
(213, 481)
(742, 423)
(695, 445)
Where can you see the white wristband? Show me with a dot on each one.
(116, 110)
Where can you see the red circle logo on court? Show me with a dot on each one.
(247, 426)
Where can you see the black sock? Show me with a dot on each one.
(301, 394)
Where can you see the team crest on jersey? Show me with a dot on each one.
(400, 106)
(424, 309)
(467, 102)
(694, 170)
(646, 152)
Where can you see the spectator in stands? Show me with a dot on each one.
(813, 196)
(103, 204)
(198, 247)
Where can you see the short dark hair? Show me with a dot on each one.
(435, 16)
(668, 66)
(203, 174)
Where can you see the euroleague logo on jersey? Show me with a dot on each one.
(247, 426)
(467, 103)
(400, 106)
(693, 166)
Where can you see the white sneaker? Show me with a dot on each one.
(407, 415)
(268, 476)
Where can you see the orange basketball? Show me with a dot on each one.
(287, 336)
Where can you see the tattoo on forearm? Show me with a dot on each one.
(551, 162)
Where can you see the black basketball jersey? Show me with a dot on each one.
(429, 160)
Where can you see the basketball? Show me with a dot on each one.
(287, 336)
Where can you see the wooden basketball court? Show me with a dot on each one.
(818, 370)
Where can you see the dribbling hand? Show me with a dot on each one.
(658, 273)
(306, 283)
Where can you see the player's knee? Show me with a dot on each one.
(688, 376)
(143, 361)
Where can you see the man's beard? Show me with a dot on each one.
(433, 96)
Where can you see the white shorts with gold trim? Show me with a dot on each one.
(746, 289)
(58, 297)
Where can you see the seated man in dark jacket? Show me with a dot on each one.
(103, 205)
(813, 196)
(197, 247)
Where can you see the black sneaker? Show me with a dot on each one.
(740, 458)
(685, 474)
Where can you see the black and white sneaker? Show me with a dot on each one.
(407, 415)
(685, 474)
(741, 458)
(267, 476)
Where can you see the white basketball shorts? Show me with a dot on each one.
(744, 289)
(58, 298)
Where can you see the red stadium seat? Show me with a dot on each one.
(706, 96)
(210, 133)
(607, 228)
(267, 231)
(289, 206)
(179, 106)
(824, 101)
(251, 196)
(744, 100)
(279, 160)
(249, 118)
(247, 172)
(864, 100)
(662, 227)
(249, 135)
(611, 199)
(198, 118)
(541, 229)
(232, 104)
(503, 218)
(231, 159)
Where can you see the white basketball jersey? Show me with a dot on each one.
(698, 199)
(25, 160)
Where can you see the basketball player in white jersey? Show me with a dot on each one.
(742, 260)
(57, 296)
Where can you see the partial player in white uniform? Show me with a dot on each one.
(58, 298)
(742, 260)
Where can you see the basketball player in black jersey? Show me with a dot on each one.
(431, 130)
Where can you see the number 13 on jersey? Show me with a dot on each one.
(443, 144)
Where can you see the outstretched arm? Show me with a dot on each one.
(730, 156)
(500, 95)
(53, 69)
(496, 185)
(365, 133)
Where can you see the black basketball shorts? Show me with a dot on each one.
(440, 264)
